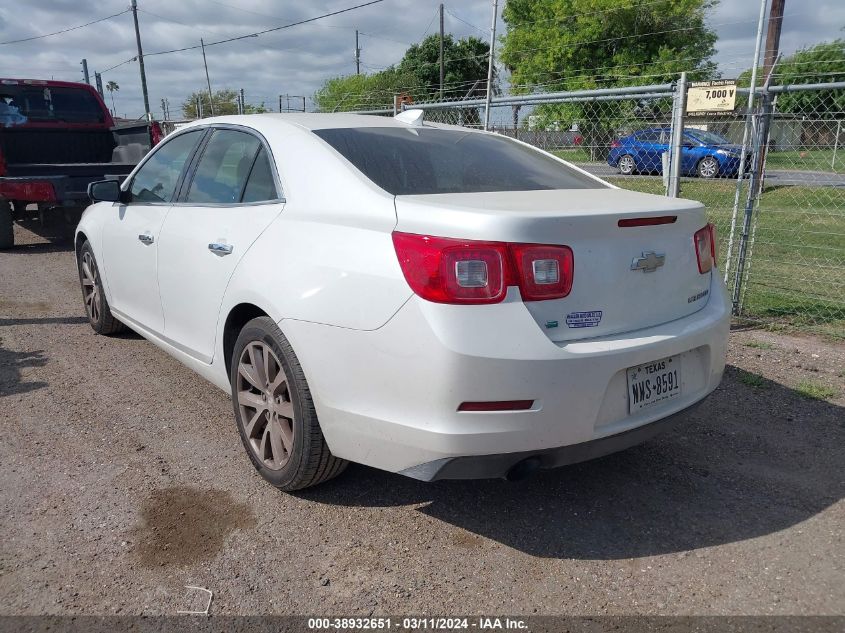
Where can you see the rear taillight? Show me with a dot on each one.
(544, 272)
(705, 248)
(447, 270)
(615, 144)
(156, 133)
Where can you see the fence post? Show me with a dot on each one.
(679, 103)
(835, 146)
(760, 127)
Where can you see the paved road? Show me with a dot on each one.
(774, 177)
(123, 480)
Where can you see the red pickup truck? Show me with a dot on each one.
(55, 138)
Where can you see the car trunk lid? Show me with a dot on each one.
(625, 277)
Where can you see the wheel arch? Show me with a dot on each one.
(79, 240)
(238, 317)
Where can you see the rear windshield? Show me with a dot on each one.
(418, 161)
(49, 103)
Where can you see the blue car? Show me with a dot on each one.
(704, 154)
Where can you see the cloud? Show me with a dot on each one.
(297, 60)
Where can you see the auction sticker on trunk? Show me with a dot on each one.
(653, 382)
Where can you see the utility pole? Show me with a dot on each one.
(163, 110)
(490, 59)
(357, 55)
(84, 63)
(442, 61)
(141, 61)
(98, 80)
(242, 102)
(773, 36)
(207, 79)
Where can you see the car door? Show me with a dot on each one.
(131, 233)
(648, 156)
(230, 196)
(691, 153)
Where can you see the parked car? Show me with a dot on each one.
(56, 137)
(704, 154)
(425, 299)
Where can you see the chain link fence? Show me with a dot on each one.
(781, 226)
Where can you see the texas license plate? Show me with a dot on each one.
(654, 382)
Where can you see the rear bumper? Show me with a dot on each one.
(68, 191)
(389, 398)
(516, 465)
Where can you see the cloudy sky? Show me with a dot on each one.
(296, 60)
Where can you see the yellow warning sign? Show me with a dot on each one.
(711, 97)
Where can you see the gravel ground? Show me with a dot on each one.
(123, 480)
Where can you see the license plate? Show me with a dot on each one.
(654, 382)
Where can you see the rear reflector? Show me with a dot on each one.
(502, 405)
(663, 219)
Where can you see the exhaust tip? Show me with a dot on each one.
(524, 469)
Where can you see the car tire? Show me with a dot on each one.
(96, 305)
(7, 231)
(275, 412)
(708, 167)
(627, 165)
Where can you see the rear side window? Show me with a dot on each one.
(260, 186)
(416, 161)
(649, 136)
(156, 179)
(223, 170)
(51, 103)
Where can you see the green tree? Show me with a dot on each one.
(417, 74)
(582, 44)
(225, 102)
(822, 63)
(112, 87)
(366, 92)
(552, 45)
(465, 65)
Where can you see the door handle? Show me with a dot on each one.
(146, 238)
(220, 249)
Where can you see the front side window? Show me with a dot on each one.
(157, 178)
(223, 170)
(410, 161)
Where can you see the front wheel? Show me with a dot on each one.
(96, 304)
(627, 165)
(274, 410)
(708, 167)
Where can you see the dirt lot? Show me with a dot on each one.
(123, 480)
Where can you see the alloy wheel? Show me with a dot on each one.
(265, 406)
(91, 287)
(626, 164)
(708, 168)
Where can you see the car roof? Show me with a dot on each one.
(309, 121)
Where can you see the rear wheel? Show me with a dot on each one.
(274, 410)
(7, 232)
(627, 165)
(708, 167)
(96, 305)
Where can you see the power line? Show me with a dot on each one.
(68, 30)
(270, 30)
(248, 35)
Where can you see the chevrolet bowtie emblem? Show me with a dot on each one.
(649, 262)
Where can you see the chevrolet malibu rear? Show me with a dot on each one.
(424, 299)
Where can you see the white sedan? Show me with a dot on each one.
(421, 298)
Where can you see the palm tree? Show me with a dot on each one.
(112, 87)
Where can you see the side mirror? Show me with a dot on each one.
(104, 191)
